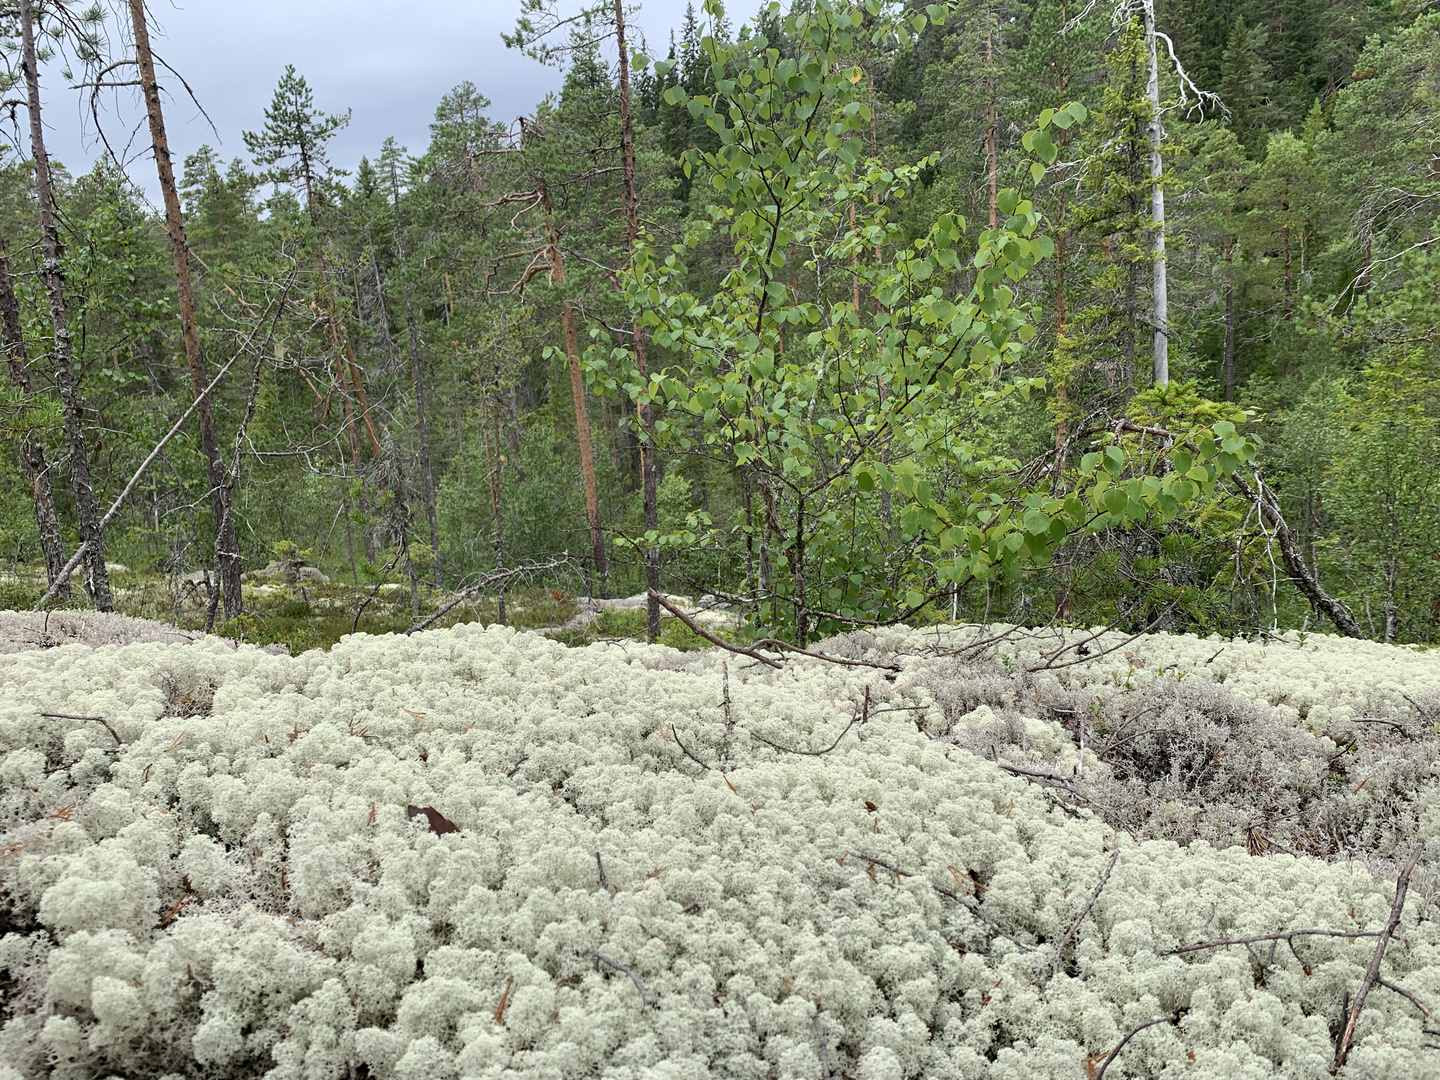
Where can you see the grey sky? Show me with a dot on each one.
(388, 60)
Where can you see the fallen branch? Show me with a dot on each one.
(963, 901)
(92, 719)
(1295, 566)
(1094, 896)
(1173, 1018)
(815, 753)
(1406, 994)
(644, 994)
(1282, 935)
(776, 643)
(483, 583)
(824, 1049)
(1402, 885)
(1048, 666)
(695, 628)
(685, 749)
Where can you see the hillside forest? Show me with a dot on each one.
(842, 314)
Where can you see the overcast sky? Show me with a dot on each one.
(389, 60)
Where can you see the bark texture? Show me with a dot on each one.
(645, 410)
(32, 452)
(227, 545)
(97, 578)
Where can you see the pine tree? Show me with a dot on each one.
(291, 146)
(1245, 85)
(1114, 223)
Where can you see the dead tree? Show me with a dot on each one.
(63, 353)
(32, 452)
(227, 546)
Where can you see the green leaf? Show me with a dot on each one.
(674, 95)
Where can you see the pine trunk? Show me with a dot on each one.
(412, 326)
(577, 391)
(1160, 298)
(32, 452)
(227, 546)
(87, 517)
(645, 410)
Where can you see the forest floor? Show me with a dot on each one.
(311, 614)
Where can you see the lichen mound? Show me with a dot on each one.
(221, 876)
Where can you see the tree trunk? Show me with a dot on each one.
(577, 391)
(496, 478)
(645, 410)
(227, 546)
(1160, 299)
(802, 615)
(32, 452)
(992, 156)
(412, 326)
(87, 518)
(1229, 322)
(1062, 319)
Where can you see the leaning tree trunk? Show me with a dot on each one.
(646, 410)
(1160, 298)
(32, 452)
(227, 545)
(87, 518)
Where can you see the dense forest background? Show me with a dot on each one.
(406, 347)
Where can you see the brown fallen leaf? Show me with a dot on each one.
(439, 823)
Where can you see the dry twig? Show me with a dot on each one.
(1172, 1018)
(1094, 896)
(644, 994)
(92, 719)
(963, 901)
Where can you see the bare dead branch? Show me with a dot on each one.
(91, 719)
(685, 749)
(812, 753)
(1172, 1018)
(1402, 885)
(963, 901)
(699, 631)
(644, 994)
(1094, 896)
(484, 583)
(1380, 980)
(729, 717)
(1281, 935)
